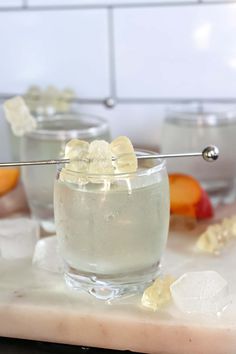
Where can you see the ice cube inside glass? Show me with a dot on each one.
(112, 229)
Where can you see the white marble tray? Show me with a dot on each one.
(36, 305)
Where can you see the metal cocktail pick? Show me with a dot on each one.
(210, 153)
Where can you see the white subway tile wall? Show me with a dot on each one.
(10, 3)
(143, 54)
(64, 48)
(176, 52)
(140, 122)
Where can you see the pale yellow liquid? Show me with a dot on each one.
(112, 232)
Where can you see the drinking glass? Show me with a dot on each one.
(48, 142)
(190, 130)
(112, 229)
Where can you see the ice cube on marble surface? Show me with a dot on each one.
(200, 292)
(46, 255)
(18, 237)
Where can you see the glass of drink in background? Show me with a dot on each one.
(48, 142)
(112, 230)
(189, 129)
(43, 105)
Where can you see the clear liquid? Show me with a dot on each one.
(112, 232)
(39, 180)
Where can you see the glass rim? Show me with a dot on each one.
(70, 133)
(160, 165)
(200, 118)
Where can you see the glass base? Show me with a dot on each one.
(44, 215)
(108, 287)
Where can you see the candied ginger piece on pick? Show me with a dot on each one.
(100, 157)
(32, 97)
(64, 100)
(33, 91)
(75, 148)
(126, 164)
(125, 157)
(18, 115)
(158, 294)
(51, 95)
(121, 145)
(77, 151)
(68, 94)
(68, 176)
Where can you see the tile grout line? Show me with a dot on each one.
(26, 6)
(140, 100)
(111, 49)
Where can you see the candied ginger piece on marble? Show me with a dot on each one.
(158, 294)
(19, 116)
(230, 225)
(100, 158)
(212, 240)
(217, 236)
(125, 157)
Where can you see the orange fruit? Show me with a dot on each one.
(9, 178)
(185, 194)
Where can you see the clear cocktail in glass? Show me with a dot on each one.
(112, 229)
(191, 130)
(48, 142)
